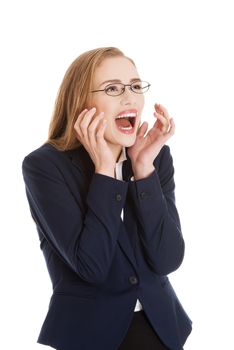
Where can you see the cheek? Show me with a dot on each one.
(142, 102)
(108, 112)
(94, 101)
(101, 107)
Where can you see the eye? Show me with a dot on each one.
(137, 86)
(111, 88)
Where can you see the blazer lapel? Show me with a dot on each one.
(81, 159)
(127, 168)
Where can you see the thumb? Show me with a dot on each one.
(142, 130)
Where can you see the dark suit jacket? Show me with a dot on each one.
(98, 264)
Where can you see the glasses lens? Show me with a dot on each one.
(114, 89)
(140, 87)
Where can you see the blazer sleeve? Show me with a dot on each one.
(159, 228)
(85, 240)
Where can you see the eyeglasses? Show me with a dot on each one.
(139, 87)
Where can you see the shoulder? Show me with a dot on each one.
(164, 158)
(44, 153)
(44, 157)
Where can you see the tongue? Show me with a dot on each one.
(122, 122)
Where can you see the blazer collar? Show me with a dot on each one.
(82, 160)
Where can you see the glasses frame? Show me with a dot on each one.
(124, 86)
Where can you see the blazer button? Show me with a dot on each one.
(133, 280)
(143, 194)
(118, 197)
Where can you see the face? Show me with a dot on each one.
(119, 133)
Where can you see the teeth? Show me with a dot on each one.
(126, 115)
(126, 128)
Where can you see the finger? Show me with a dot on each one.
(101, 130)
(172, 129)
(84, 114)
(94, 127)
(76, 125)
(84, 123)
(171, 132)
(142, 130)
(163, 113)
(161, 109)
(164, 121)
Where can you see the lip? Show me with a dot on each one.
(127, 111)
(133, 110)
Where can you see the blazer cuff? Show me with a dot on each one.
(147, 186)
(148, 195)
(107, 196)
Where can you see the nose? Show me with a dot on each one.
(127, 97)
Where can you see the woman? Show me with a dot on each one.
(101, 192)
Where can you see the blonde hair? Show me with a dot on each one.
(73, 94)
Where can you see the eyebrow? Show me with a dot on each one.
(118, 81)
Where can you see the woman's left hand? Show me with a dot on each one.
(146, 148)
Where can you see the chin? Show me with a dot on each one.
(128, 143)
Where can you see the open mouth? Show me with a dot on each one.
(126, 121)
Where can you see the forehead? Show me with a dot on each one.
(115, 68)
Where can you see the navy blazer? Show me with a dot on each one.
(99, 264)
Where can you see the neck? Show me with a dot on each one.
(116, 150)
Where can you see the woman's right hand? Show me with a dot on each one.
(90, 132)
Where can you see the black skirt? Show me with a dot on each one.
(141, 335)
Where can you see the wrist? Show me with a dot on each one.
(107, 172)
(140, 173)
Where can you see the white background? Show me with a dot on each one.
(185, 50)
